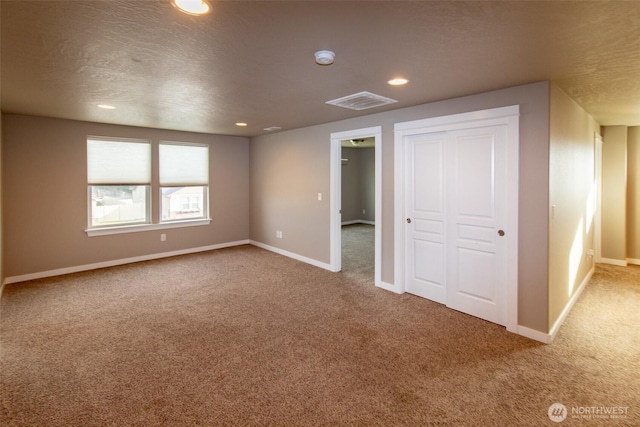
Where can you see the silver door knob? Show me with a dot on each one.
(408, 220)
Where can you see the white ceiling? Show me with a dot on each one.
(253, 61)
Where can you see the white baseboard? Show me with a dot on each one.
(389, 287)
(547, 338)
(633, 261)
(572, 301)
(94, 266)
(534, 335)
(1, 290)
(621, 263)
(292, 255)
(358, 221)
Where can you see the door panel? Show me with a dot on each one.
(428, 273)
(424, 239)
(473, 159)
(476, 273)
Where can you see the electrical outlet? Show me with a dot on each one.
(163, 237)
(278, 234)
(364, 211)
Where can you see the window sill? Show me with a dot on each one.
(105, 231)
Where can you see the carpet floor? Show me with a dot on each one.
(245, 337)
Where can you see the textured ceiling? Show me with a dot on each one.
(252, 61)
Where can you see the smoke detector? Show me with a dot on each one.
(324, 57)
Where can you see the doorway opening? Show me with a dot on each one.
(355, 203)
(358, 208)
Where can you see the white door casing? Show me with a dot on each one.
(335, 200)
(476, 266)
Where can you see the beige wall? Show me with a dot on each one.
(289, 168)
(614, 194)
(633, 195)
(571, 198)
(287, 173)
(45, 196)
(358, 184)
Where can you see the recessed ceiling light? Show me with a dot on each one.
(106, 107)
(241, 124)
(399, 81)
(192, 7)
(272, 128)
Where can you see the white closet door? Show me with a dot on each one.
(476, 214)
(425, 246)
(455, 206)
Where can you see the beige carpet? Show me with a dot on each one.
(358, 252)
(242, 336)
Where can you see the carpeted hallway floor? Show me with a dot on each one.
(242, 337)
(358, 252)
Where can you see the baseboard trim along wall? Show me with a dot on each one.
(633, 261)
(576, 295)
(548, 338)
(534, 335)
(621, 263)
(389, 287)
(113, 263)
(295, 256)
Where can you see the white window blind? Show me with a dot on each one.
(183, 165)
(118, 162)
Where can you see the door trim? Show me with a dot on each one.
(335, 202)
(508, 116)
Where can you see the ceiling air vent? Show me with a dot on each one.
(361, 101)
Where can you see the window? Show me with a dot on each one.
(184, 180)
(119, 178)
(121, 185)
